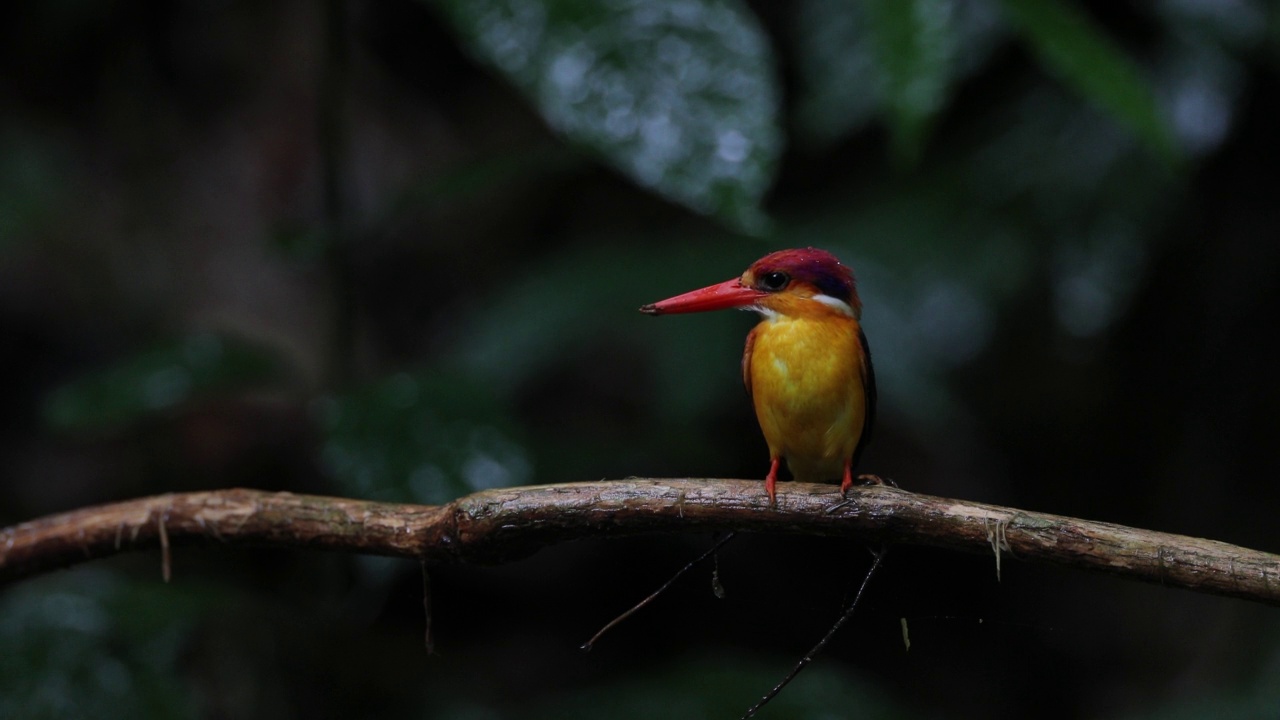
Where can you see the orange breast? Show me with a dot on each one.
(805, 376)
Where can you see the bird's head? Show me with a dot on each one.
(803, 281)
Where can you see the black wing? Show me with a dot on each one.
(746, 359)
(869, 393)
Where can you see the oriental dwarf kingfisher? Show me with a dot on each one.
(807, 366)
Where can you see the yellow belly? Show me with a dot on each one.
(805, 376)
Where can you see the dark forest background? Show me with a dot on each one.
(394, 250)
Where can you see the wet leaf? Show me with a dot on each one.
(680, 96)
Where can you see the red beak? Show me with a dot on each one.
(728, 294)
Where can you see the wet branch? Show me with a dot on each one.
(498, 525)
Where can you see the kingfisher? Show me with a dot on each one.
(807, 366)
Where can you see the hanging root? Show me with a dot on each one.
(715, 582)
(996, 530)
(808, 658)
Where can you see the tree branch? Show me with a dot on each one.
(498, 525)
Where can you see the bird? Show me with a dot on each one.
(807, 365)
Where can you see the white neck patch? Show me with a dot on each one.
(836, 303)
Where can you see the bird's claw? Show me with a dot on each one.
(865, 480)
(771, 482)
(869, 479)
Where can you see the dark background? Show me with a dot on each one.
(393, 250)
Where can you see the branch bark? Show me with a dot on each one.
(498, 525)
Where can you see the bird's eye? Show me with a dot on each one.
(774, 281)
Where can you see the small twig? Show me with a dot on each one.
(612, 623)
(996, 535)
(808, 658)
(166, 564)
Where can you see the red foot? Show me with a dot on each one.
(771, 481)
(865, 479)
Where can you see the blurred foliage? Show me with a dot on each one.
(91, 645)
(1069, 44)
(1257, 697)
(679, 94)
(426, 438)
(915, 43)
(699, 688)
(899, 60)
(197, 367)
(936, 304)
(1059, 213)
(30, 182)
(581, 298)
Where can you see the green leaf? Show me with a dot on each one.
(427, 437)
(1070, 45)
(157, 380)
(896, 58)
(680, 95)
(914, 43)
